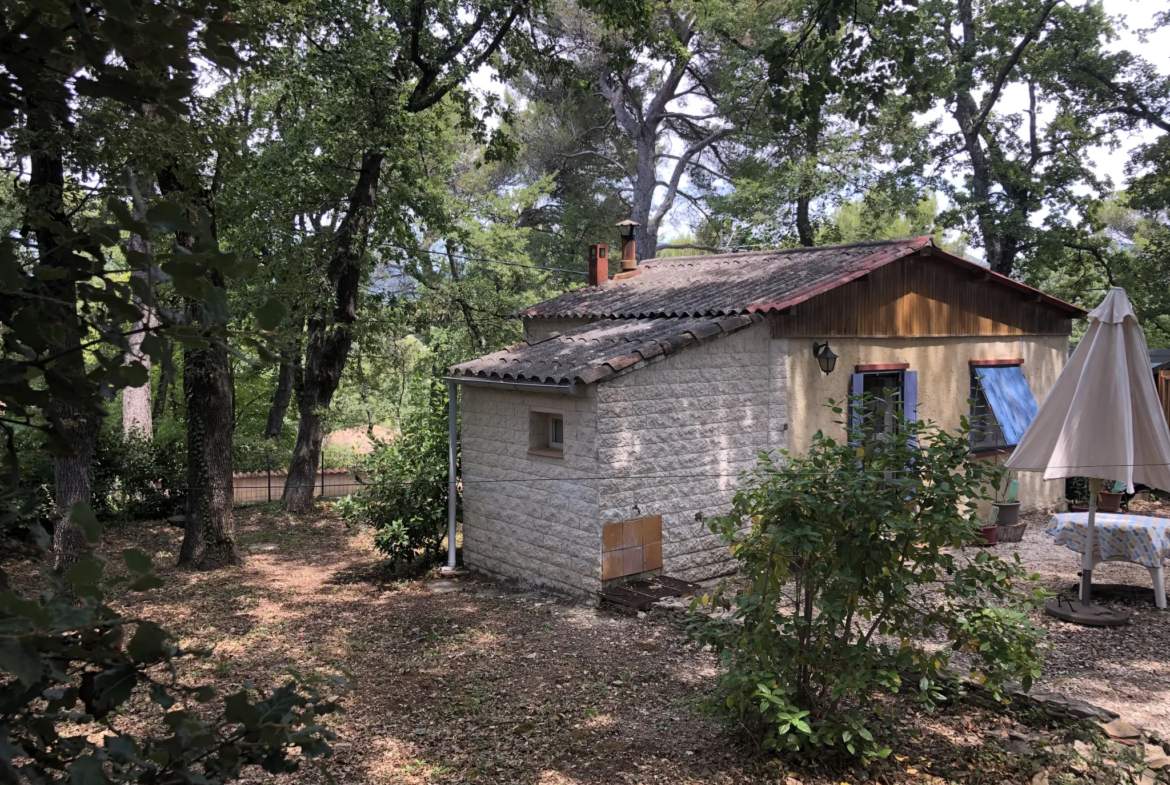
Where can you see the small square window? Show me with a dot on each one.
(546, 434)
(556, 432)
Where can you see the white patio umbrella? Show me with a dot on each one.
(1101, 420)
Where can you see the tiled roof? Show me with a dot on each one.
(598, 350)
(738, 283)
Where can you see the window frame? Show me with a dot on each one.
(553, 443)
(542, 435)
(976, 390)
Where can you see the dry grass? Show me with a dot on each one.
(471, 682)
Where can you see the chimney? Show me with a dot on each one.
(598, 264)
(629, 256)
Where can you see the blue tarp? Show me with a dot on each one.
(1010, 397)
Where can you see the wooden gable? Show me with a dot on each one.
(922, 296)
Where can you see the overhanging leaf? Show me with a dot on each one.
(83, 516)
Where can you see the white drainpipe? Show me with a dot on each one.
(452, 498)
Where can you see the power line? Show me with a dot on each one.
(748, 474)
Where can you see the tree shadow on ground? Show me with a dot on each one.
(469, 681)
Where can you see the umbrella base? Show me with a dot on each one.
(1085, 615)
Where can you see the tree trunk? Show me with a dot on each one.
(209, 537)
(965, 113)
(137, 415)
(209, 534)
(72, 484)
(72, 470)
(290, 378)
(642, 196)
(804, 226)
(164, 383)
(329, 339)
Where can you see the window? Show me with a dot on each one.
(556, 432)
(886, 401)
(1002, 405)
(546, 433)
(985, 431)
(891, 391)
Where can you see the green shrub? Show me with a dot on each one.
(848, 567)
(133, 478)
(404, 493)
(138, 479)
(1076, 489)
(254, 453)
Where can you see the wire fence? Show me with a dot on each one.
(263, 487)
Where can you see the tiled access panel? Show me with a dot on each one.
(631, 547)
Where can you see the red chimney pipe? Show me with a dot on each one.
(598, 264)
(629, 255)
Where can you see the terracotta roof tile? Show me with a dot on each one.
(740, 283)
(597, 350)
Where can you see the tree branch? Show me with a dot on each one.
(680, 167)
(1135, 106)
(1007, 68)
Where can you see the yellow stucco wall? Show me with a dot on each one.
(943, 384)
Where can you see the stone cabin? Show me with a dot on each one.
(591, 450)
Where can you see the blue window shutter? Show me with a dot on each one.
(856, 386)
(910, 394)
(1010, 398)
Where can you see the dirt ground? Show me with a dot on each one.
(468, 681)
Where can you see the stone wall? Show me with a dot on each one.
(530, 517)
(674, 435)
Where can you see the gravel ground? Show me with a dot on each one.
(1126, 669)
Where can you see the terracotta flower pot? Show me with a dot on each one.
(988, 535)
(1109, 502)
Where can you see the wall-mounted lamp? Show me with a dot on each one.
(825, 356)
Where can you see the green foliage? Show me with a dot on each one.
(405, 495)
(137, 479)
(74, 661)
(877, 217)
(89, 87)
(134, 478)
(848, 567)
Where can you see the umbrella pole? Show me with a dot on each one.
(1090, 544)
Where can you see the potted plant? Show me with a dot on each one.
(989, 532)
(1076, 493)
(1008, 526)
(1111, 496)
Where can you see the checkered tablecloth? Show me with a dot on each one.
(1133, 538)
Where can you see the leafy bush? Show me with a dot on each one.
(70, 660)
(254, 453)
(848, 566)
(133, 478)
(1076, 489)
(404, 498)
(139, 479)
